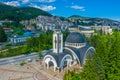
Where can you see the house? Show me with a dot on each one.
(7, 30)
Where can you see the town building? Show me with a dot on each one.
(117, 28)
(87, 31)
(74, 51)
(7, 30)
(21, 39)
(104, 29)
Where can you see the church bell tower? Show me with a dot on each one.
(57, 41)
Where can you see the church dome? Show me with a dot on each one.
(75, 37)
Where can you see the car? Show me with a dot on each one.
(29, 60)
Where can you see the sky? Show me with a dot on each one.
(89, 8)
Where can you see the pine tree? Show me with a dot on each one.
(106, 63)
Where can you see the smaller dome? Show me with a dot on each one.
(75, 37)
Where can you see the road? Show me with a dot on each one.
(18, 59)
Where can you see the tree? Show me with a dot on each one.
(65, 34)
(106, 62)
(3, 36)
(72, 75)
(43, 42)
(76, 77)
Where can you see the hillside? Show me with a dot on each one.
(18, 14)
(80, 20)
(26, 13)
(78, 17)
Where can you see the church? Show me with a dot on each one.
(74, 50)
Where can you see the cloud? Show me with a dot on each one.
(44, 7)
(81, 8)
(25, 1)
(48, 1)
(47, 8)
(12, 3)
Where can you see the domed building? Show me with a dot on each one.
(75, 51)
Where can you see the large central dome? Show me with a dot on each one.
(75, 37)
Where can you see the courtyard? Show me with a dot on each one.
(30, 71)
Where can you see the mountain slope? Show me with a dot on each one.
(18, 14)
(4, 7)
(80, 20)
(78, 17)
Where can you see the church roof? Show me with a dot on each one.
(58, 57)
(80, 53)
(75, 37)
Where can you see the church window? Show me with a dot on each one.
(55, 42)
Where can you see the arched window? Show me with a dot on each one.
(55, 42)
(76, 44)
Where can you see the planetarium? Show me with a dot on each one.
(74, 50)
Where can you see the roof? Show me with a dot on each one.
(73, 26)
(0, 24)
(27, 34)
(21, 36)
(7, 28)
(85, 29)
(75, 37)
(59, 57)
(15, 37)
(80, 53)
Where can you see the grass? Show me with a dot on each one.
(23, 63)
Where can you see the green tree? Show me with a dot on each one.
(106, 62)
(43, 42)
(3, 36)
(65, 34)
(76, 77)
(72, 75)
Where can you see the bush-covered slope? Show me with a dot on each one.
(17, 14)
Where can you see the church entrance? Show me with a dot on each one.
(51, 65)
(65, 64)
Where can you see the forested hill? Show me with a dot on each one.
(18, 14)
